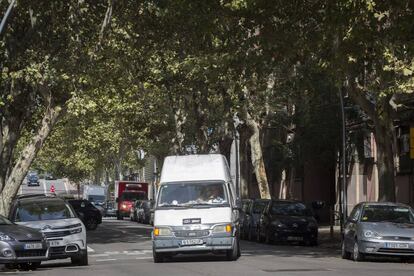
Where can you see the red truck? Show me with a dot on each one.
(126, 192)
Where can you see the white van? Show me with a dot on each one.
(196, 208)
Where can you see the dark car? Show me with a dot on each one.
(244, 216)
(21, 246)
(144, 211)
(287, 220)
(252, 217)
(33, 179)
(133, 212)
(87, 212)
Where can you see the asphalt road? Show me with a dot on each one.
(61, 187)
(124, 248)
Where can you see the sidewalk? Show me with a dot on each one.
(325, 239)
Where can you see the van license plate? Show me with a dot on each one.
(192, 242)
(33, 246)
(55, 243)
(397, 245)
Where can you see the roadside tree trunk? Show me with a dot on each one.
(18, 172)
(380, 114)
(257, 157)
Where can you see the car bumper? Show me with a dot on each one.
(210, 244)
(68, 246)
(20, 255)
(387, 247)
(293, 235)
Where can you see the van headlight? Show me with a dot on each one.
(225, 228)
(162, 231)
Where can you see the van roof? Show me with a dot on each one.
(195, 168)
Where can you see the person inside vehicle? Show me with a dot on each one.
(212, 194)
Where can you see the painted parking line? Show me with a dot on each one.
(90, 249)
(143, 258)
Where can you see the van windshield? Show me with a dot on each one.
(192, 194)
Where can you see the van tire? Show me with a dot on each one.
(81, 259)
(234, 253)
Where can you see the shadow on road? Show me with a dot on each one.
(119, 232)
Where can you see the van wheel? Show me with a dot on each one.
(233, 253)
(158, 257)
(81, 259)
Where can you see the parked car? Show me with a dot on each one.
(252, 217)
(33, 179)
(57, 220)
(246, 203)
(288, 220)
(133, 211)
(110, 210)
(379, 229)
(144, 211)
(21, 246)
(87, 212)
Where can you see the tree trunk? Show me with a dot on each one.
(257, 158)
(380, 114)
(385, 162)
(26, 158)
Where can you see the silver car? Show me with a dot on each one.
(379, 229)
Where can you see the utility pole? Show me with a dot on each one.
(4, 19)
(237, 122)
(343, 163)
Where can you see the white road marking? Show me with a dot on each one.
(143, 258)
(112, 252)
(98, 255)
(66, 187)
(106, 260)
(90, 249)
(44, 186)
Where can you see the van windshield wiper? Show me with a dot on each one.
(173, 205)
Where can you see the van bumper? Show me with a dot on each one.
(211, 244)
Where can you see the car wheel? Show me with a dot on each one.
(233, 253)
(91, 224)
(11, 266)
(81, 259)
(119, 217)
(345, 254)
(357, 256)
(158, 257)
(29, 266)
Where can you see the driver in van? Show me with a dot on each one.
(212, 194)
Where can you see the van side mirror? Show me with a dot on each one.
(238, 205)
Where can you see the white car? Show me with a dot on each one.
(64, 231)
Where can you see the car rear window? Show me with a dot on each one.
(42, 210)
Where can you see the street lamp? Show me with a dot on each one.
(237, 122)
